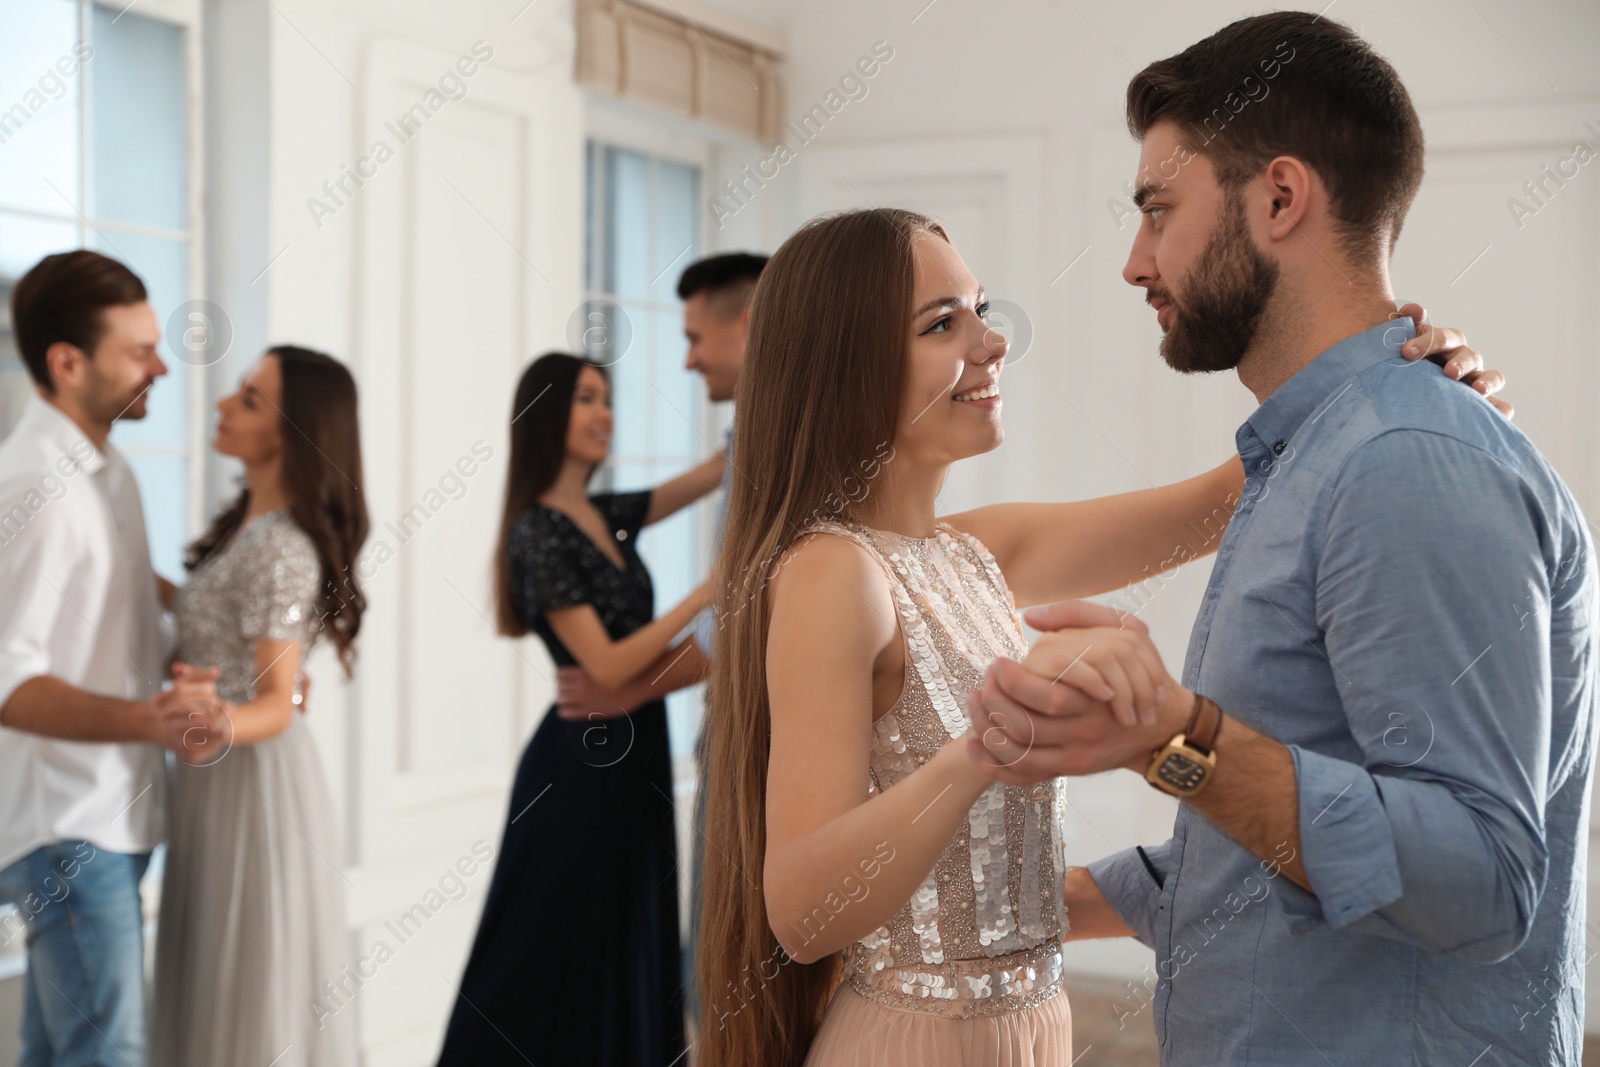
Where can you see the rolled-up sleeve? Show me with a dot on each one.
(1433, 595)
(35, 562)
(1132, 881)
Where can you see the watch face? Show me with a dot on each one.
(1181, 772)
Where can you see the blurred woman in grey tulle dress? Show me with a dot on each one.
(252, 901)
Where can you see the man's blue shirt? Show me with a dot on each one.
(1406, 598)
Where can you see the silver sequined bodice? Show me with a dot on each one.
(982, 934)
(263, 584)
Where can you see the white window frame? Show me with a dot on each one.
(634, 127)
(624, 126)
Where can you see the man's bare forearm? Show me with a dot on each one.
(1255, 799)
(48, 706)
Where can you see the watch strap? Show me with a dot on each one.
(1205, 723)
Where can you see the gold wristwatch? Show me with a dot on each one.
(1187, 762)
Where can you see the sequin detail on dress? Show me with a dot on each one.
(264, 584)
(982, 934)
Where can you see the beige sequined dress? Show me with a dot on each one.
(254, 961)
(969, 970)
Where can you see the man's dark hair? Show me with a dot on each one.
(62, 298)
(728, 280)
(1295, 84)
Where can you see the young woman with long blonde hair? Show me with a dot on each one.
(873, 895)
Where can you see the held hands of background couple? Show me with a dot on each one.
(579, 697)
(191, 720)
(1048, 716)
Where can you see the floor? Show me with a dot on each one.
(1110, 1028)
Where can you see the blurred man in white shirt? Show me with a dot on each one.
(82, 659)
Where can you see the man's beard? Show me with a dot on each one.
(105, 401)
(1216, 319)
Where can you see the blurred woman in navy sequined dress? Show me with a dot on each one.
(577, 955)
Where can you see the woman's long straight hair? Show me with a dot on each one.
(818, 402)
(540, 415)
(322, 478)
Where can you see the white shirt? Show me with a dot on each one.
(78, 601)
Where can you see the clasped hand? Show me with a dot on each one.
(580, 698)
(1091, 695)
(190, 719)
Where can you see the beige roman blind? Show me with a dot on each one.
(652, 53)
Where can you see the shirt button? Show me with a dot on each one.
(622, 535)
(1277, 449)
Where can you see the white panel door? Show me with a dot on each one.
(470, 256)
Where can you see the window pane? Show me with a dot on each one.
(163, 490)
(668, 547)
(628, 476)
(674, 390)
(164, 266)
(643, 218)
(631, 396)
(15, 384)
(627, 198)
(40, 56)
(138, 127)
(23, 242)
(683, 723)
(677, 220)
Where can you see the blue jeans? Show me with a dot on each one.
(84, 988)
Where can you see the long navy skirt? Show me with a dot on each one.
(577, 959)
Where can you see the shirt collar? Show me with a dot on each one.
(54, 425)
(1296, 400)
